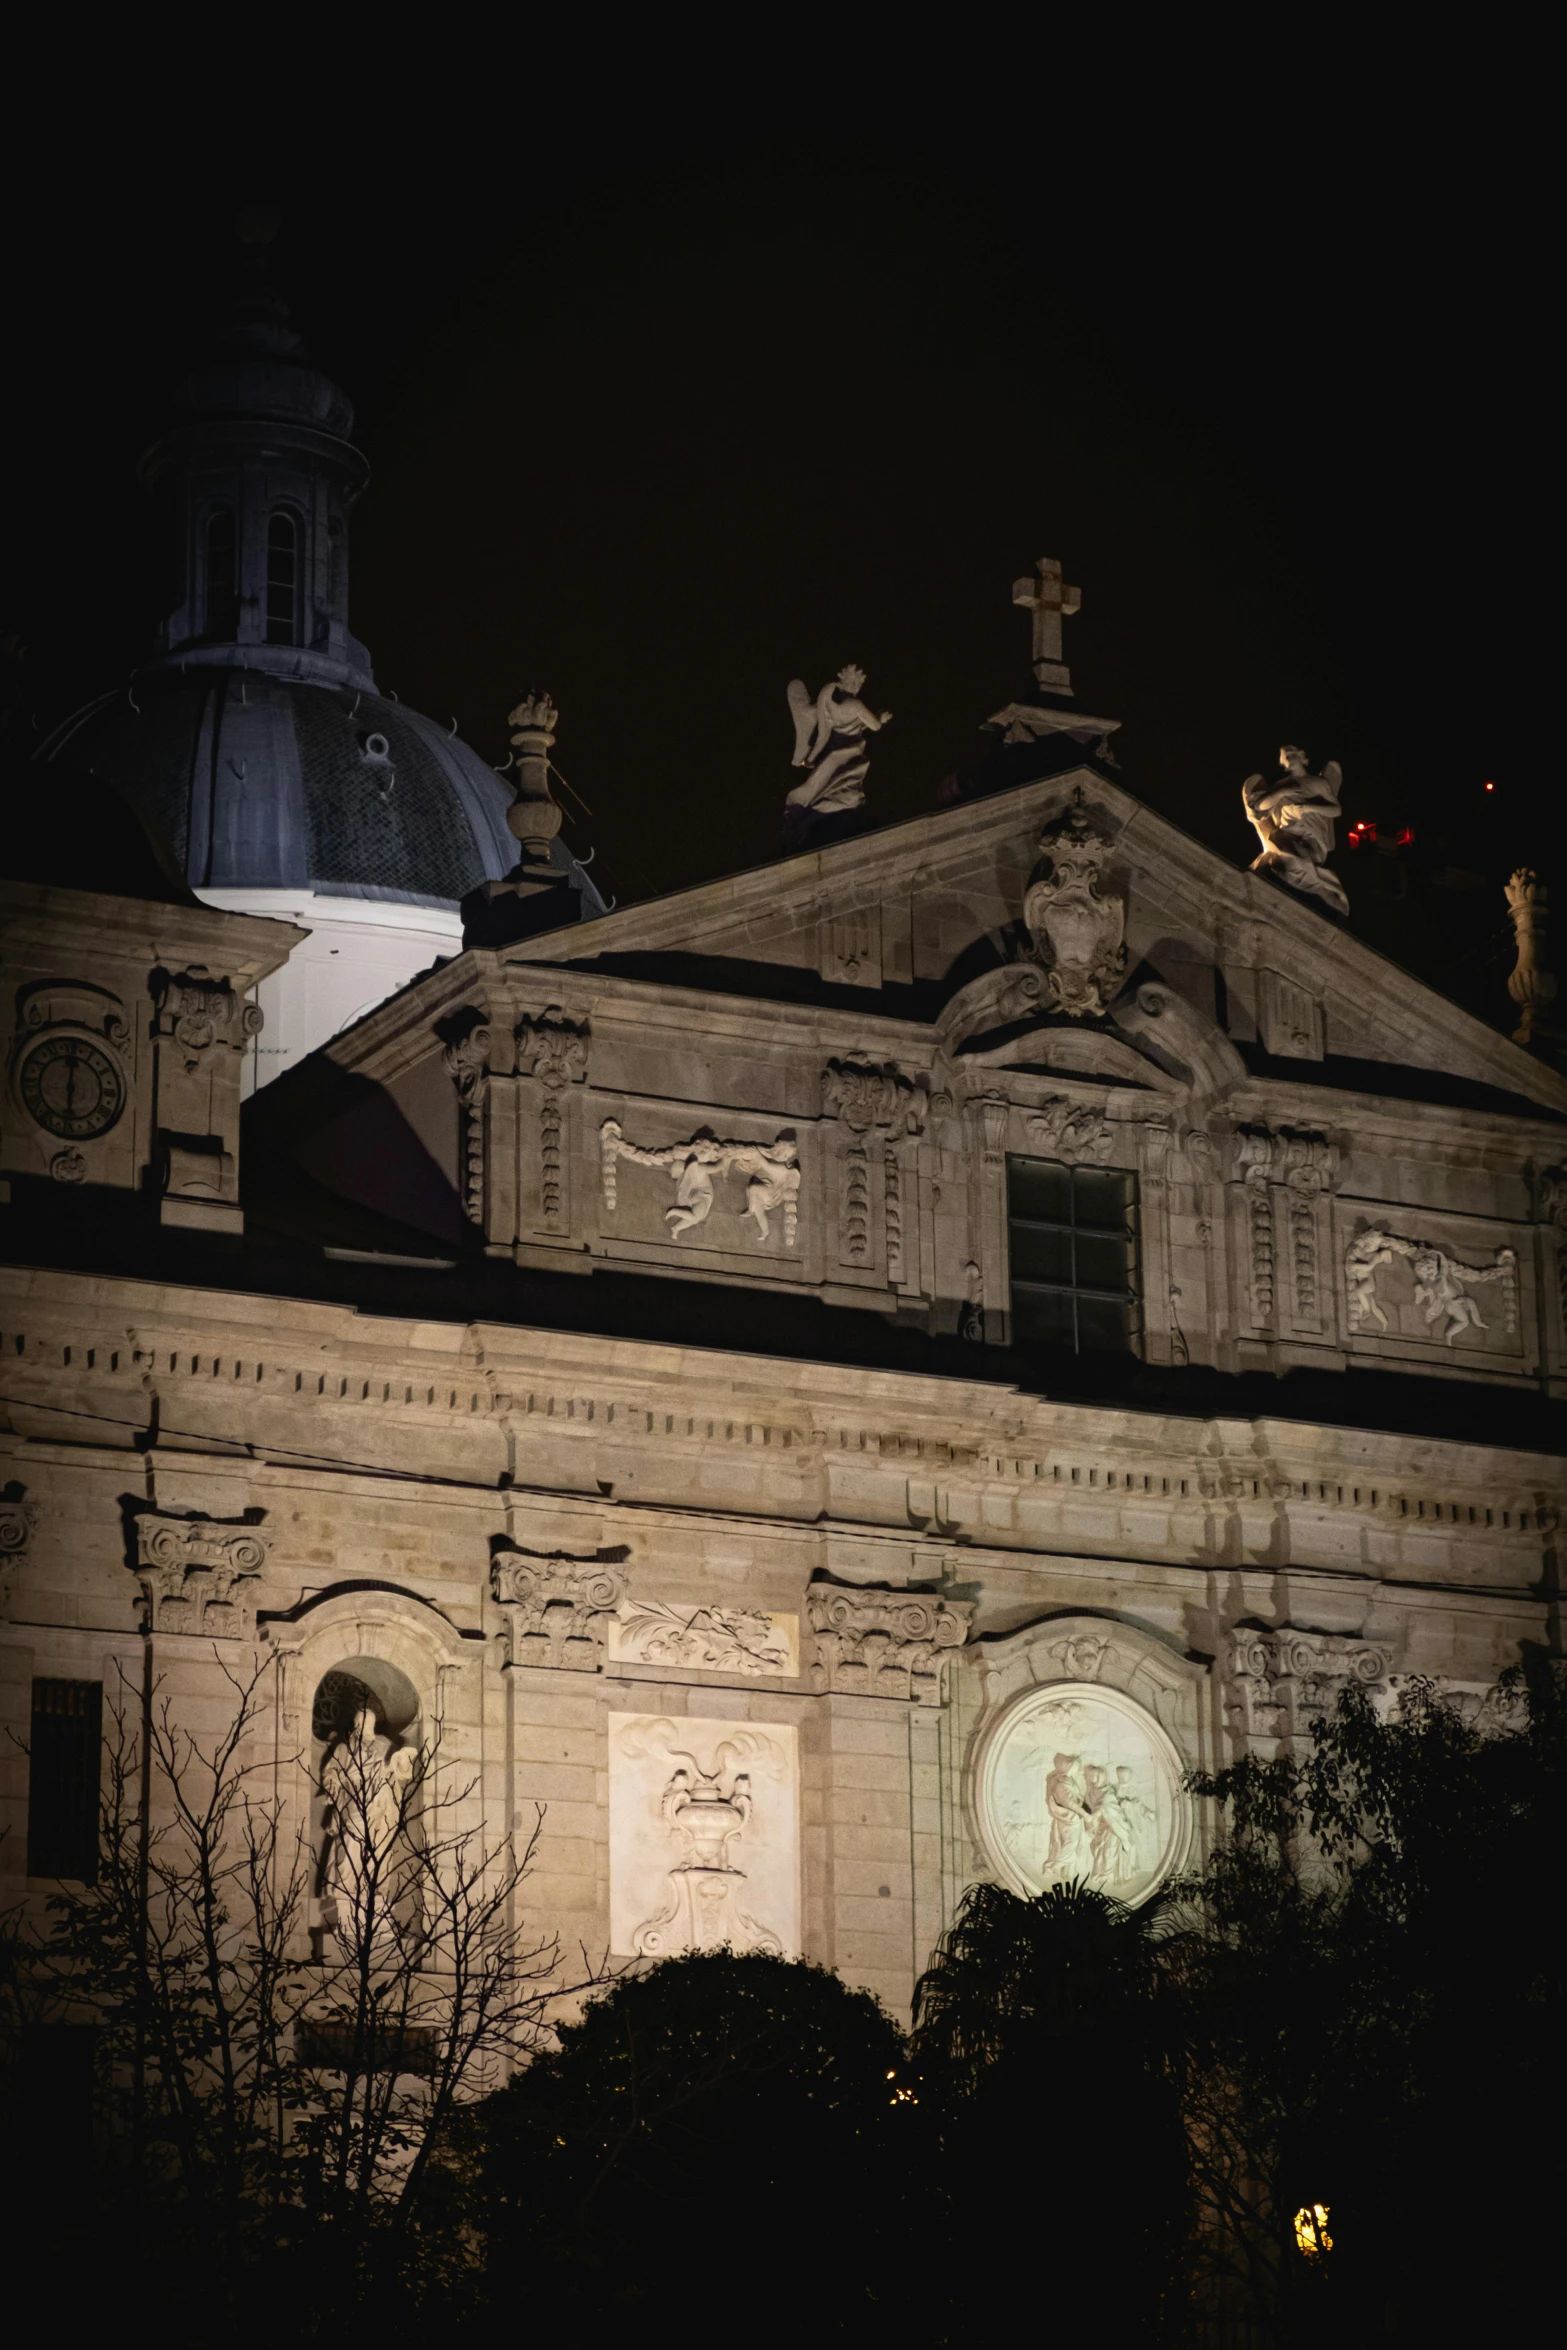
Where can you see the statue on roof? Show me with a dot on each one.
(1294, 820)
(829, 740)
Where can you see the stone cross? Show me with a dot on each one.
(1050, 602)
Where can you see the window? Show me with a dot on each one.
(222, 622)
(62, 1783)
(282, 579)
(1073, 1266)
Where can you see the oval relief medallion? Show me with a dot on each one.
(1078, 1781)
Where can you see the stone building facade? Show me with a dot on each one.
(831, 1386)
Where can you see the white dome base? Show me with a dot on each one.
(359, 952)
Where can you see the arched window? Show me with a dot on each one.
(282, 579)
(222, 583)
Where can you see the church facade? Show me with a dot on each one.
(827, 1387)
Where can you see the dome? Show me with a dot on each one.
(265, 782)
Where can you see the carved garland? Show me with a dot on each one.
(554, 1050)
(467, 1063)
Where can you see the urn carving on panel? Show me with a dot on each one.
(1076, 923)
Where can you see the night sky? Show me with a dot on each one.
(663, 428)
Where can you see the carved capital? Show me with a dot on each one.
(201, 1013)
(467, 1063)
(18, 1518)
(1276, 1684)
(197, 1574)
(552, 1048)
(876, 1642)
(864, 1093)
(558, 1605)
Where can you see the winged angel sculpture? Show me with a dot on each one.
(1294, 820)
(829, 740)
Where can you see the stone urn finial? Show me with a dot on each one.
(534, 819)
(1531, 986)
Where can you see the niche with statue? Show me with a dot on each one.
(368, 1773)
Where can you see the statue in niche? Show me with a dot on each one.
(1294, 820)
(829, 740)
(367, 1874)
(1076, 924)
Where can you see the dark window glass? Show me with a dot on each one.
(222, 623)
(1073, 1245)
(62, 1781)
(282, 579)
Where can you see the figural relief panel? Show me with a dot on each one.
(704, 1190)
(704, 1836)
(1405, 1285)
(1076, 1780)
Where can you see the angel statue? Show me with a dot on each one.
(829, 740)
(1294, 821)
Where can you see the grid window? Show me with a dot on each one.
(222, 576)
(62, 1780)
(282, 579)
(1073, 1245)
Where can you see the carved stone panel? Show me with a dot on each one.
(749, 1643)
(558, 1607)
(704, 1836)
(1413, 1286)
(1077, 1780)
(876, 1642)
(702, 1191)
(198, 1575)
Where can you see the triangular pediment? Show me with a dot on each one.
(921, 919)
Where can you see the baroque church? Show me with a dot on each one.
(829, 1386)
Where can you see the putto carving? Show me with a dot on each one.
(18, 1518)
(1076, 924)
(563, 1603)
(197, 1574)
(864, 1093)
(771, 1170)
(875, 1642)
(1294, 820)
(829, 740)
(1442, 1283)
(1278, 1683)
(200, 1012)
(1072, 1131)
(750, 1642)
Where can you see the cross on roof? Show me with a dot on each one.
(1050, 602)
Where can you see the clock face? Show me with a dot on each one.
(72, 1087)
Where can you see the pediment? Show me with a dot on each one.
(921, 919)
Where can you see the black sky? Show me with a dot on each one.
(661, 420)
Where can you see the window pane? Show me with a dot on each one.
(1042, 1318)
(62, 1780)
(1100, 1200)
(1041, 1256)
(1039, 1188)
(1100, 1325)
(1102, 1264)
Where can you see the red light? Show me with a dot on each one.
(1362, 834)
(1406, 839)
(1490, 787)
